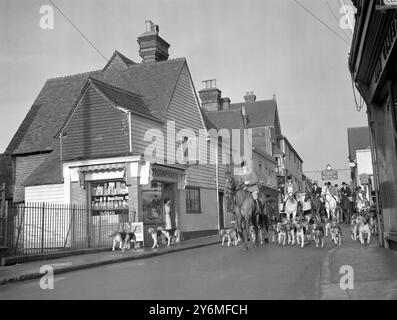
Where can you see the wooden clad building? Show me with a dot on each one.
(86, 140)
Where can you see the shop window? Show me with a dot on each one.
(193, 200)
(110, 197)
(151, 196)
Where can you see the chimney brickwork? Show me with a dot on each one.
(151, 46)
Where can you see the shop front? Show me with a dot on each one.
(123, 190)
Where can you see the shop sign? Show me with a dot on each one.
(329, 174)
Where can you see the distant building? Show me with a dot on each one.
(259, 116)
(289, 163)
(360, 158)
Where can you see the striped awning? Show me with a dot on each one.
(103, 167)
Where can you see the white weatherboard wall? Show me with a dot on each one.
(53, 193)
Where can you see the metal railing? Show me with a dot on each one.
(51, 227)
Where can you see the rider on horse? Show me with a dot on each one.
(250, 180)
(290, 187)
(333, 191)
(316, 191)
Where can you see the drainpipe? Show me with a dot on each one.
(129, 129)
(217, 182)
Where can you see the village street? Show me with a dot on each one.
(214, 272)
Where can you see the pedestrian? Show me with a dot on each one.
(167, 213)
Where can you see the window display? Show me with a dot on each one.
(109, 197)
(151, 202)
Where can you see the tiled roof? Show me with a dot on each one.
(49, 172)
(225, 119)
(124, 99)
(6, 173)
(54, 103)
(358, 139)
(121, 56)
(23, 128)
(154, 81)
(260, 113)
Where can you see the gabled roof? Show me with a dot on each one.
(260, 113)
(23, 128)
(122, 57)
(290, 146)
(53, 105)
(358, 139)
(154, 82)
(124, 99)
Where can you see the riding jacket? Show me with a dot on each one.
(345, 192)
(316, 192)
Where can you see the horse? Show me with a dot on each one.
(306, 203)
(330, 204)
(315, 203)
(347, 208)
(245, 209)
(362, 204)
(291, 206)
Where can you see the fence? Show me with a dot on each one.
(48, 227)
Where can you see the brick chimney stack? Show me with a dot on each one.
(210, 96)
(151, 46)
(250, 97)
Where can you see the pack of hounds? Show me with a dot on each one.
(305, 229)
(125, 238)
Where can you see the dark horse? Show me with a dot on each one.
(245, 209)
(315, 204)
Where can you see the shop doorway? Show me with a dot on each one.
(220, 213)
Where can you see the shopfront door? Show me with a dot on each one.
(220, 213)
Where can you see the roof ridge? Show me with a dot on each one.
(159, 62)
(111, 86)
(74, 75)
(128, 60)
(250, 103)
(237, 110)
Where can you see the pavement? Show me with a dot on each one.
(31, 270)
(374, 271)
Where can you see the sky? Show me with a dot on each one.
(266, 46)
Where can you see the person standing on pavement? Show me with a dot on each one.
(167, 213)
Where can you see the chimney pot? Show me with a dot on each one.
(250, 97)
(149, 25)
(210, 96)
